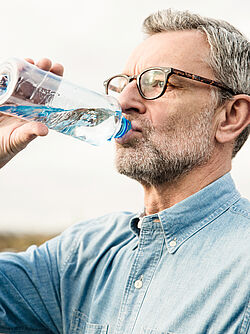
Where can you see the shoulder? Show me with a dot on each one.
(116, 221)
(99, 233)
(238, 222)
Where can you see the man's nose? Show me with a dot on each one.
(131, 100)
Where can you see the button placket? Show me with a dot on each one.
(142, 271)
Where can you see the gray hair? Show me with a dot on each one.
(229, 52)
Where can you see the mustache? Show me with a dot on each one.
(140, 123)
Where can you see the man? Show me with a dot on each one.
(181, 266)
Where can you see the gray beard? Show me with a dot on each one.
(164, 155)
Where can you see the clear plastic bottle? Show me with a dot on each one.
(33, 94)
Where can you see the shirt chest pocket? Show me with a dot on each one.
(80, 325)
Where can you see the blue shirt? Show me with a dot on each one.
(185, 271)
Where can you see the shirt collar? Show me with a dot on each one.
(187, 217)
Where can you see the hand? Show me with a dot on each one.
(16, 133)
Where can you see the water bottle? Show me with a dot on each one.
(33, 94)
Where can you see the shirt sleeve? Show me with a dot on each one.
(29, 290)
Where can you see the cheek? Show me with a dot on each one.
(172, 111)
(158, 112)
(167, 115)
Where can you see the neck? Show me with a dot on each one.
(158, 198)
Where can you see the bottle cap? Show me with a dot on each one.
(125, 127)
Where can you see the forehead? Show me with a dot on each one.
(184, 50)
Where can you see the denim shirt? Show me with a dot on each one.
(185, 270)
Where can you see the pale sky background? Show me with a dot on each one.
(58, 180)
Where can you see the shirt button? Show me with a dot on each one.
(172, 243)
(138, 283)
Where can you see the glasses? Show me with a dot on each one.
(153, 82)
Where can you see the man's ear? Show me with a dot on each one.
(233, 118)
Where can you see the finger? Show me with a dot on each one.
(29, 131)
(44, 64)
(29, 60)
(57, 69)
(24, 134)
(35, 128)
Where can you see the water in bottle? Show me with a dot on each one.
(34, 94)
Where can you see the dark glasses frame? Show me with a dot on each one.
(168, 71)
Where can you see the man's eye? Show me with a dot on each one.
(158, 83)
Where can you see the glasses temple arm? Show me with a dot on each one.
(201, 79)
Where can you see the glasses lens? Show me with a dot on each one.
(152, 83)
(116, 86)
